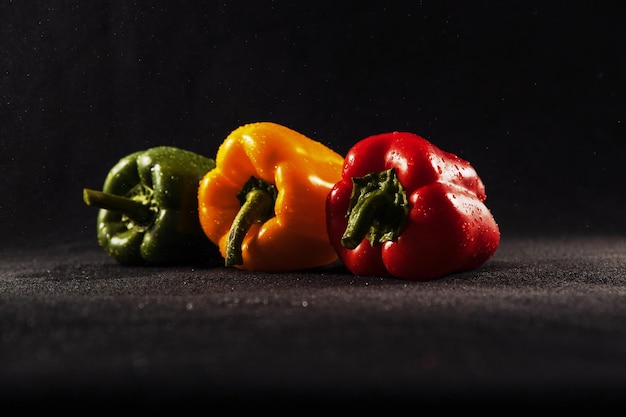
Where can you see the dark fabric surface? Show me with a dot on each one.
(542, 323)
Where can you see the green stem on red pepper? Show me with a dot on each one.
(378, 209)
(257, 198)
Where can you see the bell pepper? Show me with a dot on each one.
(406, 208)
(264, 203)
(148, 208)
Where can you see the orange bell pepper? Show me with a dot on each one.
(263, 204)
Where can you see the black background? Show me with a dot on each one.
(532, 93)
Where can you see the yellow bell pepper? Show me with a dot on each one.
(263, 204)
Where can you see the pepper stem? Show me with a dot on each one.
(257, 198)
(134, 210)
(378, 209)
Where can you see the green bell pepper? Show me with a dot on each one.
(149, 208)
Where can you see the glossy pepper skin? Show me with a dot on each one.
(264, 203)
(149, 209)
(408, 209)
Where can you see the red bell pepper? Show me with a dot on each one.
(406, 208)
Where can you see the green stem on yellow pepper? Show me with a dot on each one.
(257, 198)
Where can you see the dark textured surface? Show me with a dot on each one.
(543, 322)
